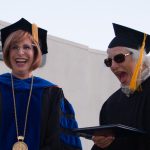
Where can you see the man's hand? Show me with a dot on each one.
(103, 141)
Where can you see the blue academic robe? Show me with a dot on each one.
(50, 116)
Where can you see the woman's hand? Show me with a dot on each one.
(103, 141)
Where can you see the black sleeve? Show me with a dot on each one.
(146, 120)
(96, 148)
(57, 122)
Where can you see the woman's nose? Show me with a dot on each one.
(20, 50)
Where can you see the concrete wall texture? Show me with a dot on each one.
(80, 71)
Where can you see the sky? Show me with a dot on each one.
(87, 22)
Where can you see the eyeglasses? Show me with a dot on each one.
(119, 58)
(25, 47)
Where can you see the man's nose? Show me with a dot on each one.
(114, 64)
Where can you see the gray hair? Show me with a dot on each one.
(144, 74)
(135, 54)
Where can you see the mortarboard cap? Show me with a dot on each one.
(128, 37)
(23, 24)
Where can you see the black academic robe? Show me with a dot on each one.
(132, 111)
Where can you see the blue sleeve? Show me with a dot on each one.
(68, 122)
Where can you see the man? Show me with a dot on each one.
(129, 105)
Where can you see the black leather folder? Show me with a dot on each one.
(117, 130)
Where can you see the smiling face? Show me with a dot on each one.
(21, 53)
(125, 69)
(21, 57)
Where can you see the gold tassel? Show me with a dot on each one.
(35, 32)
(133, 84)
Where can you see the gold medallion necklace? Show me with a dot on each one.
(20, 144)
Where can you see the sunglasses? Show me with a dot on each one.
(119, 58)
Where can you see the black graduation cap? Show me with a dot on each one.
(23, 24)
(128, 37)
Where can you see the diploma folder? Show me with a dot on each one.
(117, 130)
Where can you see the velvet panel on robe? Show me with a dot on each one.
(132, 111)
(58, 118)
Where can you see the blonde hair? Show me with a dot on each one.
(17, 37)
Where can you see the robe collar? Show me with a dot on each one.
(24, 84)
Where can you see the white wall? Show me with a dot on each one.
(80, 71)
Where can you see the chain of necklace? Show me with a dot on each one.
(27, 109)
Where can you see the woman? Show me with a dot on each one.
(34, 114)
(129, 105)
